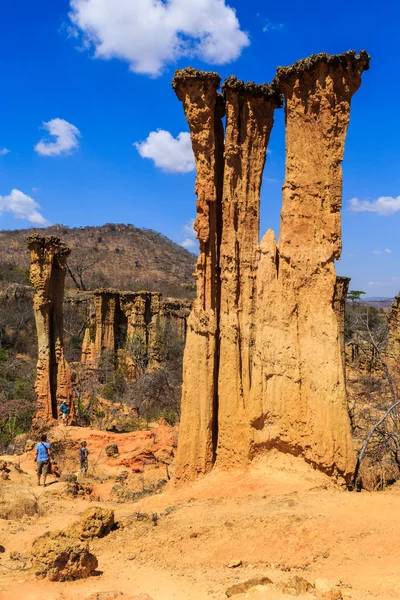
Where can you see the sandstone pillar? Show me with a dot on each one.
(199, 420)
(393, 347)
(339, 307)
(249, 119)
(298, 402)
(47, 272)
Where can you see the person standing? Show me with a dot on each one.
(42, 458)
(64, 410)
(84, 456)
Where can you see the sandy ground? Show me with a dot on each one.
(280, 518)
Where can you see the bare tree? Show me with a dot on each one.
(78, 267)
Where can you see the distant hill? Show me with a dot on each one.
(112, 255)
(377, 302)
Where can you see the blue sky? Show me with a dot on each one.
(100, 80)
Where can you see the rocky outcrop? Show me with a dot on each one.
(64, 555)
(393, 347)
(59, 557)
(48, 258)
(263, 365)
(118, 319)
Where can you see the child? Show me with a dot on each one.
(83, 455)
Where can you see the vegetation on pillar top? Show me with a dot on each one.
(46, 241)
(348, 60)
(184, 76)
(254, 90)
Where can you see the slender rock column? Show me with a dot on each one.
(298, 397)
(339, 307)
(47, 272)
(393, 347)
(199, 419)
(249, 119)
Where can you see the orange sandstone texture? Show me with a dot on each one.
(263, 363)
(249, 119)
(199, 417)
(393, 349)
(48, 257)
(298, 400)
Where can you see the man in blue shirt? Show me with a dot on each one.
(42, 458)
(64, 410)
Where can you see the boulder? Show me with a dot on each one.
(112, 450)
(60, 557)
(297, 585)
(244, 586)
(95, 522)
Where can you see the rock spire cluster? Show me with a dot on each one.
(48, 256)
(263, 364)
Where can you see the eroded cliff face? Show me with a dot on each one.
(264, 319)
(129, 321)
(48, 257)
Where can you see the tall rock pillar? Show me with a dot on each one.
(249, 119)
(298, 397)
(47, 273)
(339, 306)
(393, 347)
(199, 420)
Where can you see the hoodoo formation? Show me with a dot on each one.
(48, 257)
(199, 417)
(339, 306)
(263, 365)
(119, 317)
(393, 349)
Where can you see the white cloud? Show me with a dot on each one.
(190, 242)
(66, 136)
(270, 26)
(148, 34)
(385, 205)
(170, 154)
(22, 207)
(386, 251)
(4, 151)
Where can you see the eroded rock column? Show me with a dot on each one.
(249, 119)
(339, 307)
(199, 420)
(298, 393)
(393, 347)
(47, 273)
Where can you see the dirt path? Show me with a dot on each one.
(280, 518)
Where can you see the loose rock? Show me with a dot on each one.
(297, 585)
(62, 558)
(245, 586)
